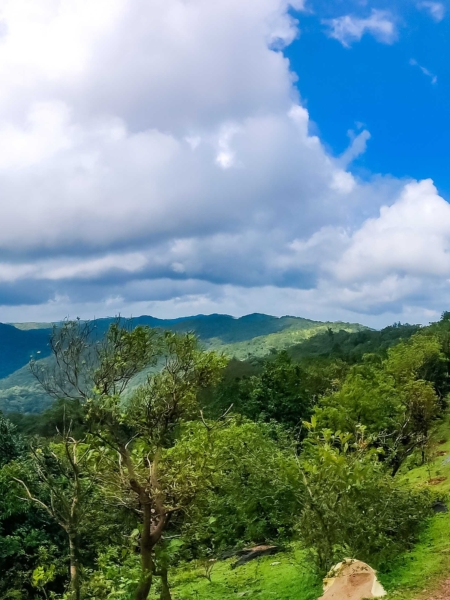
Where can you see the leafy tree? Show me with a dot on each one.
(284, 391)
(236, 482)
(249, 485)
(352, 507)
(61, 487)
(98, 373)
(280, 393)
(142, 428)
(28, 538)
(390, 397)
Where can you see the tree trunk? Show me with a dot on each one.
(145, 584)
(396, 464)
(74, 568)
(165, 589)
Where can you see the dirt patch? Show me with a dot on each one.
(441, 453)
(436, 480)
(441, 593)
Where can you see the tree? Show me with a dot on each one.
(351, 506)
(62, 487)
(390, 397)
(235, 482)
(98, 372)
(26, 535)
(249, 488)
(84, 361)
(284, 391)
(141, 429)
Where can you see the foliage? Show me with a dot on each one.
(250, 483)
(61, 485)
(352, 507)
(283, 390)
(134, 433)
(350, 345)
(390, 397)
(10, 443)
(29, 540)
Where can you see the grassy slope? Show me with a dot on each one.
(412, 576)
(286, 576)
(31, 326)
(294, 334)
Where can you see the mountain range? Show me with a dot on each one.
(253, 335)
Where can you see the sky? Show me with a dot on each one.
(177, 157)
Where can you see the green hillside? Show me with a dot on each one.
(20, 392)
(294, 331)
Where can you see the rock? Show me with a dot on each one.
(248, 554)
(353, 580)
(439, 507)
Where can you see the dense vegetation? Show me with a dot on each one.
(122, 488)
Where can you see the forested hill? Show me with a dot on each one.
(226, 328)
(16, 347)
(254, 335)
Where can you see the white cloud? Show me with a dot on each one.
(412, 236)
(357, 147)
(436, 10)
(349, 28)
(425, 71)
(155, 157)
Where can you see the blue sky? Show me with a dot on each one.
(176, 157)
(375, 84)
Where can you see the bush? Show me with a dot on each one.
(352, 507)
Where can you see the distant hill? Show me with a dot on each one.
(254, 335)
(17, 346)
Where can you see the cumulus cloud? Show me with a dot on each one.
(349, 28)
(412, 236)
(436, 10)
(155, 157)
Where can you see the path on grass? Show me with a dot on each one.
(441, 593)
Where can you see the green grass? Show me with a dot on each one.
(284, 576)
(415, 573)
